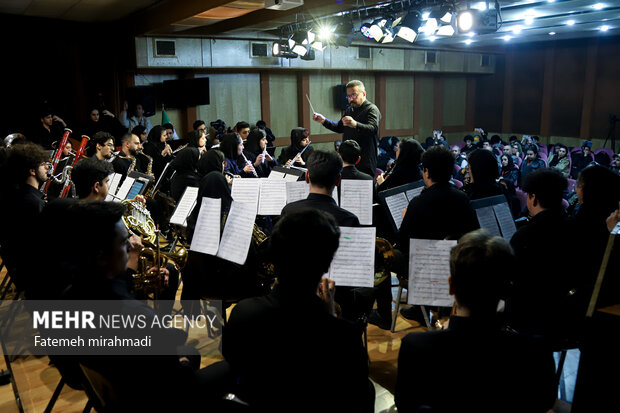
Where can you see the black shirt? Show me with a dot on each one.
(325, 203)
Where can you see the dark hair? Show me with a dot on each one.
(439, 162)
(511, 162)
(468, 138)
(241, 125)
(350, 151)
(138, 130)
(155, 134)
(483, 166)
(87, 172)
(513, 138)
(548, 185)
(532, 148)
(193, 138)
(101, 217)
(410, 153)
(324, 168)
(211, 161)
(495, 139)
(127, 137)
(322, 237)
(229, 144)
(252, 144)
(198, 123)
(22, 158)
(261, 124)
(168, 126)
(480, 266)
(100, 138)
(601, 188)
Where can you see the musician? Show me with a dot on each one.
(495, 370)
(406, 167)
(101, 146)
(360, 123)
(128, 155)
(198, 139)
(26, 169)
(232, 146)
(300, 138)
(91, 178)
(184, 164)
(274, 375)
(157, 148)
(141, 132)
(256, 152)
(323, 175)
(49, 130)
(243, 129)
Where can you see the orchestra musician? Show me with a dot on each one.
(297, 154)
(232, 146)
(360, 123)
(157, 148)
(101, 146)
(128, 159)
(256, 152)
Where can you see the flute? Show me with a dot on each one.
(299, 154)
(249, 163)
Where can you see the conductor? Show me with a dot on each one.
(360, 123)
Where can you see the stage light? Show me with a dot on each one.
(365, 29)
(506, 38)
(570, 22)
(389, 35)
(598, 6)
(325, 33)
(432, 38)
(310, 36)
(482, 6)
(517, 29)
(551, 33)
(431, 25)
(376, 29)
(300, 49)
(308, 56)
(465, 21)
(296, 38)
(468, 41)
(281, 49)
(425, 15)
(409, 27)
(470, 34)
(604, 28)
(446, 18)
(318, 45)
(529, 19)
(445, 30)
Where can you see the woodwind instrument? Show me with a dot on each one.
(299, 154)
(57, 155)
(249, 163)
(78, 156)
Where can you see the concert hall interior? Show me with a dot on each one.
(376, 205)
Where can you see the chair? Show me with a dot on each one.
(543, 156)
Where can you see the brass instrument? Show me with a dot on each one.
(138, 220)
(384, 260)
(149, 168)
(133, 160)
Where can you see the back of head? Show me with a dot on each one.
(548, 185)
(350, 151)
(324, 168)
(229, 144)
(138, 130)
(600, 187)
(410, 153)
(87, 172)
(210, 162)
(22, 158)
(439, 162)
(321, 241)
(480, 267)
(483, 166)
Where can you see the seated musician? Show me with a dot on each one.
(256, 152)
(101, 146)
(157, 148)
(300, 138)
(232, 146)
(492, 369)
(324, 168)
(127, 159)
(326, 367)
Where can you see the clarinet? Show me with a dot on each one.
(299, 154)
(249, 163)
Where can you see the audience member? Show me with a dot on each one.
(559, 160)
(137, 119)
(459, 159)
(510, 173)
(49, 130)
(530, 164)
(388, 145)
(581, 160)
(483, 174)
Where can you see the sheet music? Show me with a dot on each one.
(272, 196)
(356, 197)
(276, 175)
(246, 190)
(335, 195)
(296, 191)
(115, 179)
(396, 204)
(185, 206)
(237, 233)
(354, 262)
(412, 193)
(291, 178)
(124, 189)
(429, 269)
(506, 223)
(207, 233)
(486, 219)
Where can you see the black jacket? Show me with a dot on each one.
(325, 203)
(366, 134)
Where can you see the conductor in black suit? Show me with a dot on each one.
(488, 369)
(360, 123)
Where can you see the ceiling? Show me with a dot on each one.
(225, 17)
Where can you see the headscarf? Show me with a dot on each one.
(230, 142)
(297, 134)
(483, 166)
(210, 162)
(193, 138)
(252, 144)
(186, 160)
(511, 164)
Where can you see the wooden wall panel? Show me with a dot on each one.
(234, 97)
(527, 77)
(283, 103)
(567, 101)
(490, 98)
(426, 106)
(454, 100)
(606, 99)
(322, 97)
(399, 102)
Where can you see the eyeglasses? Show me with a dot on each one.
(353, 96)
(111, 145)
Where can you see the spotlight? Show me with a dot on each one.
(281, 49)
(376, 29)
(604, 28)
(275, 49)
(465, 21)
(325, 33)
(482, 6)
(551, 33)
(570, 22)
(319, 45)
(431, 25)
(365, 29)
(446, 18)
(409, 27)
(506, 38)
(517, 29)
(425, 15)
(389, 35)
(300, 49)
(445, 30)
(468, 41)
(598, 6)
(529, 20)
(296, 38)
(309, 55)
